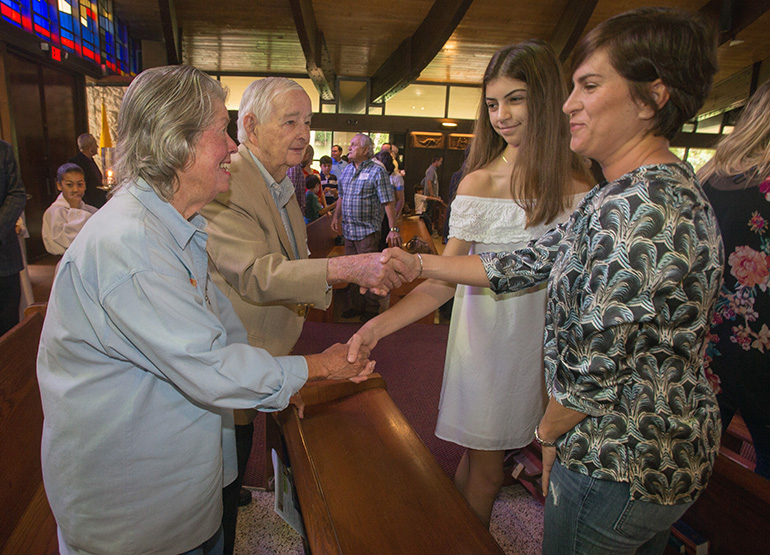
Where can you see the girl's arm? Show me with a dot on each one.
(422, 300)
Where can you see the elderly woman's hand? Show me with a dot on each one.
(333, 364)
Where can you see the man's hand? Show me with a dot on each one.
(394, 239)
(367, 270)
(335, 225)
(408, 264)
(333, 364)
(297, 401)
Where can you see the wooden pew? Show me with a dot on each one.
(413, 225)
(733, 512)
(365, 481)
(26, 522)
(320, 242)
(320, 239)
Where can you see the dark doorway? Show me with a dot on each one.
(45, 108)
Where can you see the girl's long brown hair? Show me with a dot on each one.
(544, 165)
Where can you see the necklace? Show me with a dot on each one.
(506, 161)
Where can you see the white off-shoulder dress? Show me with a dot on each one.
(493, 393)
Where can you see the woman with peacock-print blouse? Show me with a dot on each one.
(631, 429)
(632, 278)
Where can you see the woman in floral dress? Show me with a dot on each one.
(737, 182)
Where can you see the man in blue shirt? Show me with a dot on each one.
(365, 193)
(338, 164)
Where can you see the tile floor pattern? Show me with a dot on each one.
(517, 525)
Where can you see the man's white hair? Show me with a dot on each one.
(364, 141)
(258, 98)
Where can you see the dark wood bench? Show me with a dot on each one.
(366, 483)
(733, 512)
(26, 522)
(320, 242)
(320, 238)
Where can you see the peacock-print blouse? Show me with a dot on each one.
(632, 276)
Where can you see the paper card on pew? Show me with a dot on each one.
(285, 504)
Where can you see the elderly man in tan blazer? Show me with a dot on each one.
(258, 243)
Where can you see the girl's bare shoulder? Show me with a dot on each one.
(478, 183)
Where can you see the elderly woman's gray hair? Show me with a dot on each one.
(163, 114)
(258, 98)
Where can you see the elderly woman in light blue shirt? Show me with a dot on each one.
(142, 359)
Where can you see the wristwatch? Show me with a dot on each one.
(541, 442)
(394, 229)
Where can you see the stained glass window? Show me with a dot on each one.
(68, 27)
(107, 35)
(16, 12)
(121, 48)
(135, 55)
(44, 20)
(89, 30)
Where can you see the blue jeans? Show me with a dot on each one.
(584, 515)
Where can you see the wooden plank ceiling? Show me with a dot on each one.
(400, 41)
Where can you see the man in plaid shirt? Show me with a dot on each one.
(365, 193)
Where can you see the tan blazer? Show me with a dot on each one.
(252, 261)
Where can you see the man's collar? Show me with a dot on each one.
(363, 164)
(281, 192)
(269, 179)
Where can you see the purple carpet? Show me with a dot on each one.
(412, 363)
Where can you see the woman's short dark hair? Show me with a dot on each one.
(650, 43)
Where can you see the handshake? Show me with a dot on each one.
(377, 272)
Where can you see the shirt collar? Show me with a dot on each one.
(363, 165)
(281, 192)
(181, 230)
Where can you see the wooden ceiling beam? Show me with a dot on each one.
(572, 23)
(320, 67)
(171, 34)
(733, 16)
(414, 54)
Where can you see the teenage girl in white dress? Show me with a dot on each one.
(521, 179)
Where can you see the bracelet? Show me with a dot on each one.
(541, 442)
(419, 257)
(394, 229)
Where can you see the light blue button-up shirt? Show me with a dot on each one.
(141, 361)
(337, 167)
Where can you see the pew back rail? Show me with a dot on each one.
(365, 481)
(26, 522)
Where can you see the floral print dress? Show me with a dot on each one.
(738, 354)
